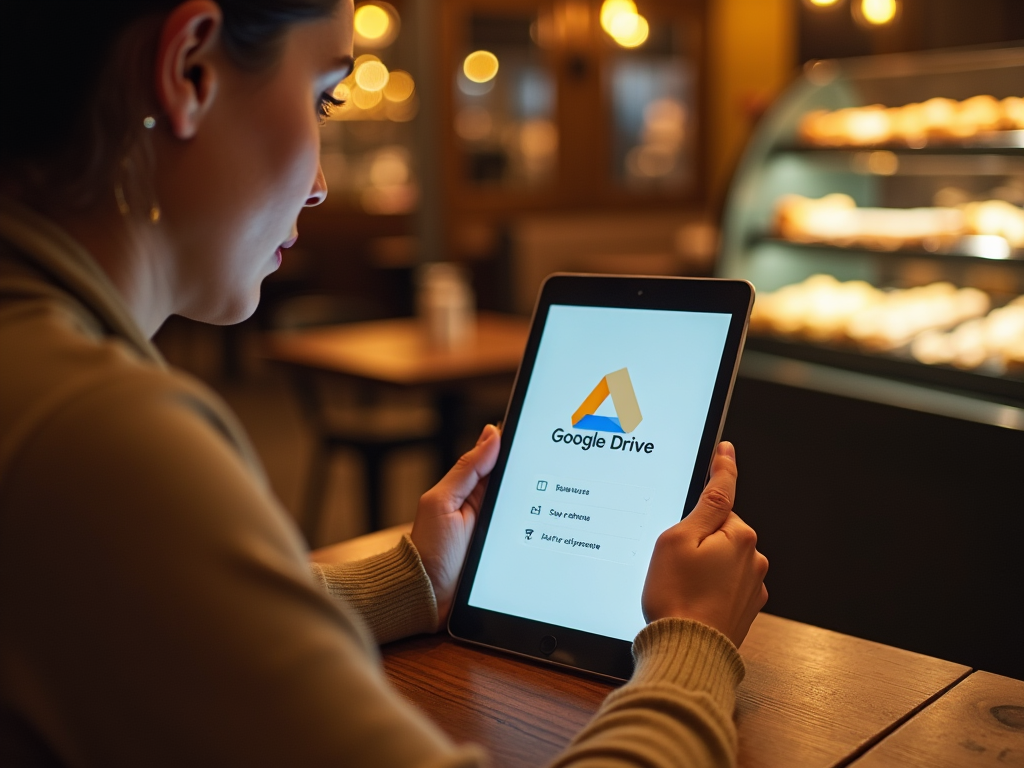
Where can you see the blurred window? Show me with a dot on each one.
(653, 103)
(504, 105)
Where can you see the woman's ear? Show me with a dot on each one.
(186, 70)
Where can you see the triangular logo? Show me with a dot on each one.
(627, 410)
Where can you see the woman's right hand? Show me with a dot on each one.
(707, 566)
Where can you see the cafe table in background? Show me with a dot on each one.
(392, 355)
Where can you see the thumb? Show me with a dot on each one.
(472, 467)
(716, 501)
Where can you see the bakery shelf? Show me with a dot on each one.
(777, 163)
(1016, 259)
(898, 365)
(881, 438)
(1003, 143)
(911, 162)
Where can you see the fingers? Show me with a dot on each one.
(487, 432)
(738, 531)
(715, 503)
(473, 466)
(761, 566)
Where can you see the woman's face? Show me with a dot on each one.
(230, 195)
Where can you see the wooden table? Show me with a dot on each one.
(396, 353)
(979, 723)
(811, 698)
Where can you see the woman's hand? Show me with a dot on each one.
(707, 566)
(446, 517)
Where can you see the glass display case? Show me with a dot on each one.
(877, 210)
(879, 409)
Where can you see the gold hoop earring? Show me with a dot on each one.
(149, 123)
(133, 170)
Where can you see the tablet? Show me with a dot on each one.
(607, 441)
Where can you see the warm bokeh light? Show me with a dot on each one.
(619, 18)
(629, 30)
(542, 31)
(822, 3)
(480, 66)
(610, 9)
(400, 86)
(373, 93)
(371, 22)
(883, 163)
(402, 111)
(372, 76)
(342, 92)
(366, 99)
(474, 123)
(375, 24)
(363, 59)
(538, 138)
(878, 11)
(389, 168)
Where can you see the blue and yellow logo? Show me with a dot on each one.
(627, 417)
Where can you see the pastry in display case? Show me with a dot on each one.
(939, 323)
(879, 407)
(981, 118)
(879, 212)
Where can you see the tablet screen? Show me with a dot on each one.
(599, 465)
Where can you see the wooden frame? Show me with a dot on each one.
(584, 179)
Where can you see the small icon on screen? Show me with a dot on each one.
(529, 533)
(542, 485)
(535, 510)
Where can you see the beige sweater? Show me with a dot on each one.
(156, 605)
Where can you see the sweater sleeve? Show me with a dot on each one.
(177, 623)
(390, 591)
(676, 711)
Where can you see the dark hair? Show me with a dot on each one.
(69, 73)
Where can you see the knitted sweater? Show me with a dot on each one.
(156, 604)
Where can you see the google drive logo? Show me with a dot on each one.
(627, 417)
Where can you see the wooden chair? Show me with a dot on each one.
(372, 427)
(364, 423)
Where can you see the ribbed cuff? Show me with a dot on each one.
(689, 654)
(390, 591)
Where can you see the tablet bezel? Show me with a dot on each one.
(598, 654)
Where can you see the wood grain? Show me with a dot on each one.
(979, 723)
(523, 713)
(811, 698)
(397, 351)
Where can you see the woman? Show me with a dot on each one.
(156, 605)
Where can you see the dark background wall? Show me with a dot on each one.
(889, 524)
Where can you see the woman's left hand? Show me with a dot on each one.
(446, 517)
